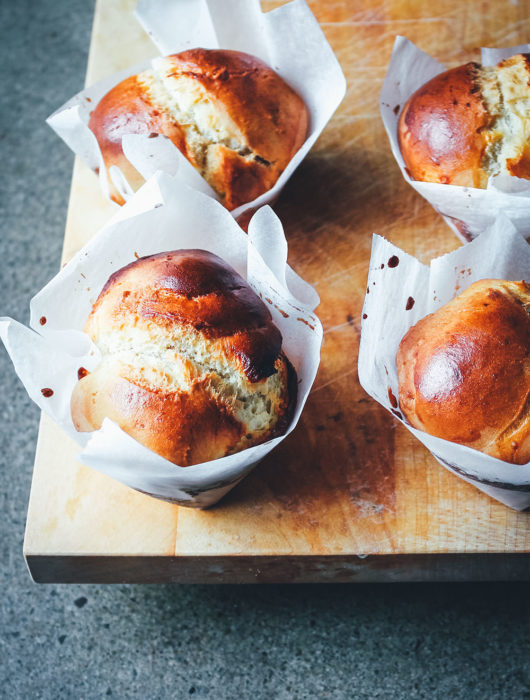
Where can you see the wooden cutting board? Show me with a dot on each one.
(351, 495)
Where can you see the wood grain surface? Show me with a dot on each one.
(350, 480)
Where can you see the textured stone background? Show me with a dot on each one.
(364, 641)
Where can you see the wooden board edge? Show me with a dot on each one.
(274, 569)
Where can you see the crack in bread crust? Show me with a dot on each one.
(205, 124)
(176, 363)
(236, 120)
(505, 90)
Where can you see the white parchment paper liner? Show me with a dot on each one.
(477, 209)
(163, 215)
(288, 39)
(500, 253)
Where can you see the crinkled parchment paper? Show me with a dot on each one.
(499, 253)
(164, 215)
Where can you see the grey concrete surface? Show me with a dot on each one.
(131, 641)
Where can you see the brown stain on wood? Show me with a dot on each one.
(71, 506)
(50, 526)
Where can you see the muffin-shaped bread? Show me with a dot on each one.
(464, 370)
(468, 124)
(191, 360)
(236, 121)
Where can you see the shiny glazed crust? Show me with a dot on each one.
(231, 115)
(464, 371)
(469, 123)
(191, 361)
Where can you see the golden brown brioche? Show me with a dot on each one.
(191, 360)
(464, 370)
(231, 115)
(469, 123)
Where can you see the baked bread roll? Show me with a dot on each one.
(468, 124)
(191, 360)
(236, 121)
(464, 370)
